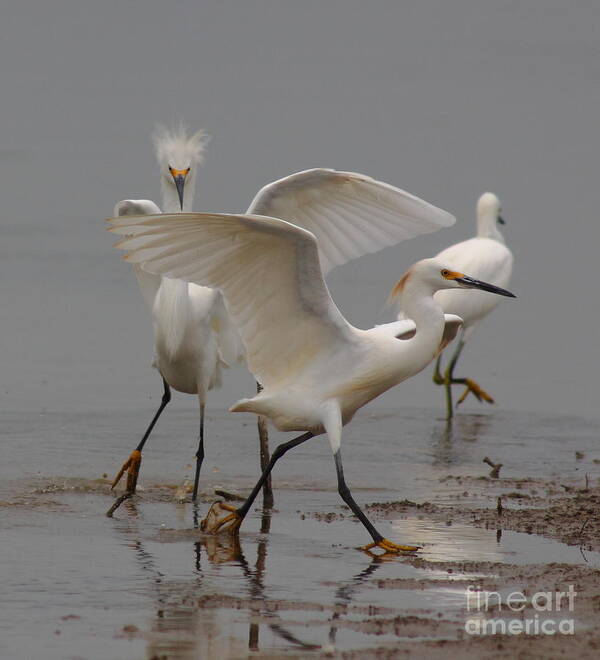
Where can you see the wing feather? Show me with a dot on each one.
(268, 271)
(350, 214)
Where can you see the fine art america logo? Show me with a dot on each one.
(548, 612)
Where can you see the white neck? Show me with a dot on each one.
(419, 305)
(175, 299)
(487, 227)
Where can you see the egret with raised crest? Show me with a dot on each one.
(193, 334)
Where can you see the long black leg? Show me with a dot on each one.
(277, 454)
(199, 453)
(212, 524)
(346, 495)
(132, 464)
(166, 397)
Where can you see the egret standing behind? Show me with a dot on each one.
(487, 258)
(193, 334)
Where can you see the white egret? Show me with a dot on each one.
(486, 257)
(316, 369)
(193, 335)
(350, 214)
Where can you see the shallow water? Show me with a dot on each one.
(146, 583)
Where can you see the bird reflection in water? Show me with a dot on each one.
(345, 593)
(223, 549)
(185, 628)
(446, 436)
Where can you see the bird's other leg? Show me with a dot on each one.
(449, 378)
(449, 374)
(232, 519)
(200, 452)
(378, 540)
(133, 463)
(470, 385)
(438, 379)
(263, 439)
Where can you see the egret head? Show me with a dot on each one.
(430, 275)
(179, 154)
(489, 211)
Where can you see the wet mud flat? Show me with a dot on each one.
(148, 584)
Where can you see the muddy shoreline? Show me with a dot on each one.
(147, 584)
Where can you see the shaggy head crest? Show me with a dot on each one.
(178, 149)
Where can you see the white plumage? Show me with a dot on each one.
(351, 214)
(317, 370)
(485, 257)
(193, 335)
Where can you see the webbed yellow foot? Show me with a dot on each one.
(221, 517)
(476, 390)
(132, 465)
(389, 547)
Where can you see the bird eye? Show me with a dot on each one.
(445, 273)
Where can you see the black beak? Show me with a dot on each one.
(501, 220)
(471, 283)
(179, 184)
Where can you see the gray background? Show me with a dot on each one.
(443, 98)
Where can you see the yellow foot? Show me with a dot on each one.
(221, 518)
(477, 391)
(132, 465)
(389, 547)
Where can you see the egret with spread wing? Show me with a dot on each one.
(316, 369)
(486, 257)
(350, 214)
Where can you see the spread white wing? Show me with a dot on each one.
(350, 214)
(147, 282)
(231, 347)
(268, 271)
